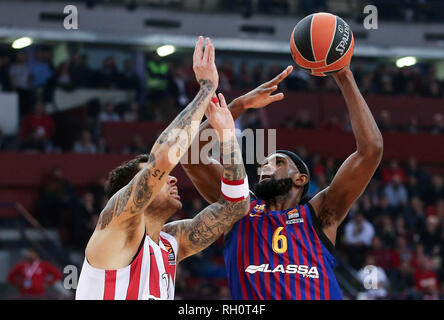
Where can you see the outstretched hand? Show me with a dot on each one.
(219, 115)
(262, 95)
(203, 62)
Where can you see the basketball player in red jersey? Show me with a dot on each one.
(132, 253)
(282, 249)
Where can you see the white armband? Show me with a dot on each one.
(234, 191)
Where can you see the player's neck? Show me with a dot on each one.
(289, 200)
(154, 222)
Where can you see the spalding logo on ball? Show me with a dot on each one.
(322, 43)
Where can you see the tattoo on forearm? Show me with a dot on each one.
(219, 217)
(232, 160)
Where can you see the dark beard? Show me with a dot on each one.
(272, 188)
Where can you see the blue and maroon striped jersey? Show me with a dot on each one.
(280, 255)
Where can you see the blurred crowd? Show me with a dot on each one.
(162, 89)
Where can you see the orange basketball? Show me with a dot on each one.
(322, 43)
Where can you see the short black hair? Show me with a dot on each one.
(123, 174)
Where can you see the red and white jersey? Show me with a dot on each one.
(151, 275)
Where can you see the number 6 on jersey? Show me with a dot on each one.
(279, 241)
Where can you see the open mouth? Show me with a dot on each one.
(266, 176)
(174, 193)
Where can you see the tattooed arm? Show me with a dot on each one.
(203, 175)
(194, 235)
(169, 147)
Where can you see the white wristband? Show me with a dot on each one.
(234, 191)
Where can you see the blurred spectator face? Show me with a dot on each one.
(417, 204)
(31, 255)
(396, 180)
(88, 199)
(86, 137)
(432, 223)
(412, 181)
(359, 218)
(394, 165)
(376, 243)
(109, 108)
(438, 120)
(437, 182)
(385, 117)
(413, 163)
(39, 109)
(401, 243)
(58, 173)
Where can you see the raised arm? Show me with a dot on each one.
(332, 204)
(194, 235)
(169, 147)
(203, 175)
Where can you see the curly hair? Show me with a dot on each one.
(122, 175)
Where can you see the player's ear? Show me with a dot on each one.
(300, 179)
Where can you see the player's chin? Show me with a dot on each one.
(175, 201)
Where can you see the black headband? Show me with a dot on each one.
(300, 164)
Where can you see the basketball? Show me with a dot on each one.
(321, 44)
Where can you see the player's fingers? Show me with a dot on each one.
(211, 54)
(215, 100)
(277, 97)
(270, 89)
(281, 76)
(223, 103)
(197, 55)
(207, 50)
(210, 110)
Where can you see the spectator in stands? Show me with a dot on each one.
(412, 126)
(5, 84)
(396, 192)
(33, 276)
(63, 77)
(437, 189)
(80, 73)
(358, 237)
(37, 129)
(402, 282)
(438, 124)
(128, 77)
(394, 169)
(137, 146)
(243, 77)
(85, 144)
(386, 230)
(385, 121)
(79, 224)
(157, 77)
(56, 196)
(132, 114)
(42, 75)
(108, 76)
(108, 113)
(20, 81)
(178, 86)
(381, 254)
(430, 236)
(303, 119)
(426, 281)
(374, 280)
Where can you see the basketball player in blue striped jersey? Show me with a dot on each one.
(283, 249)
